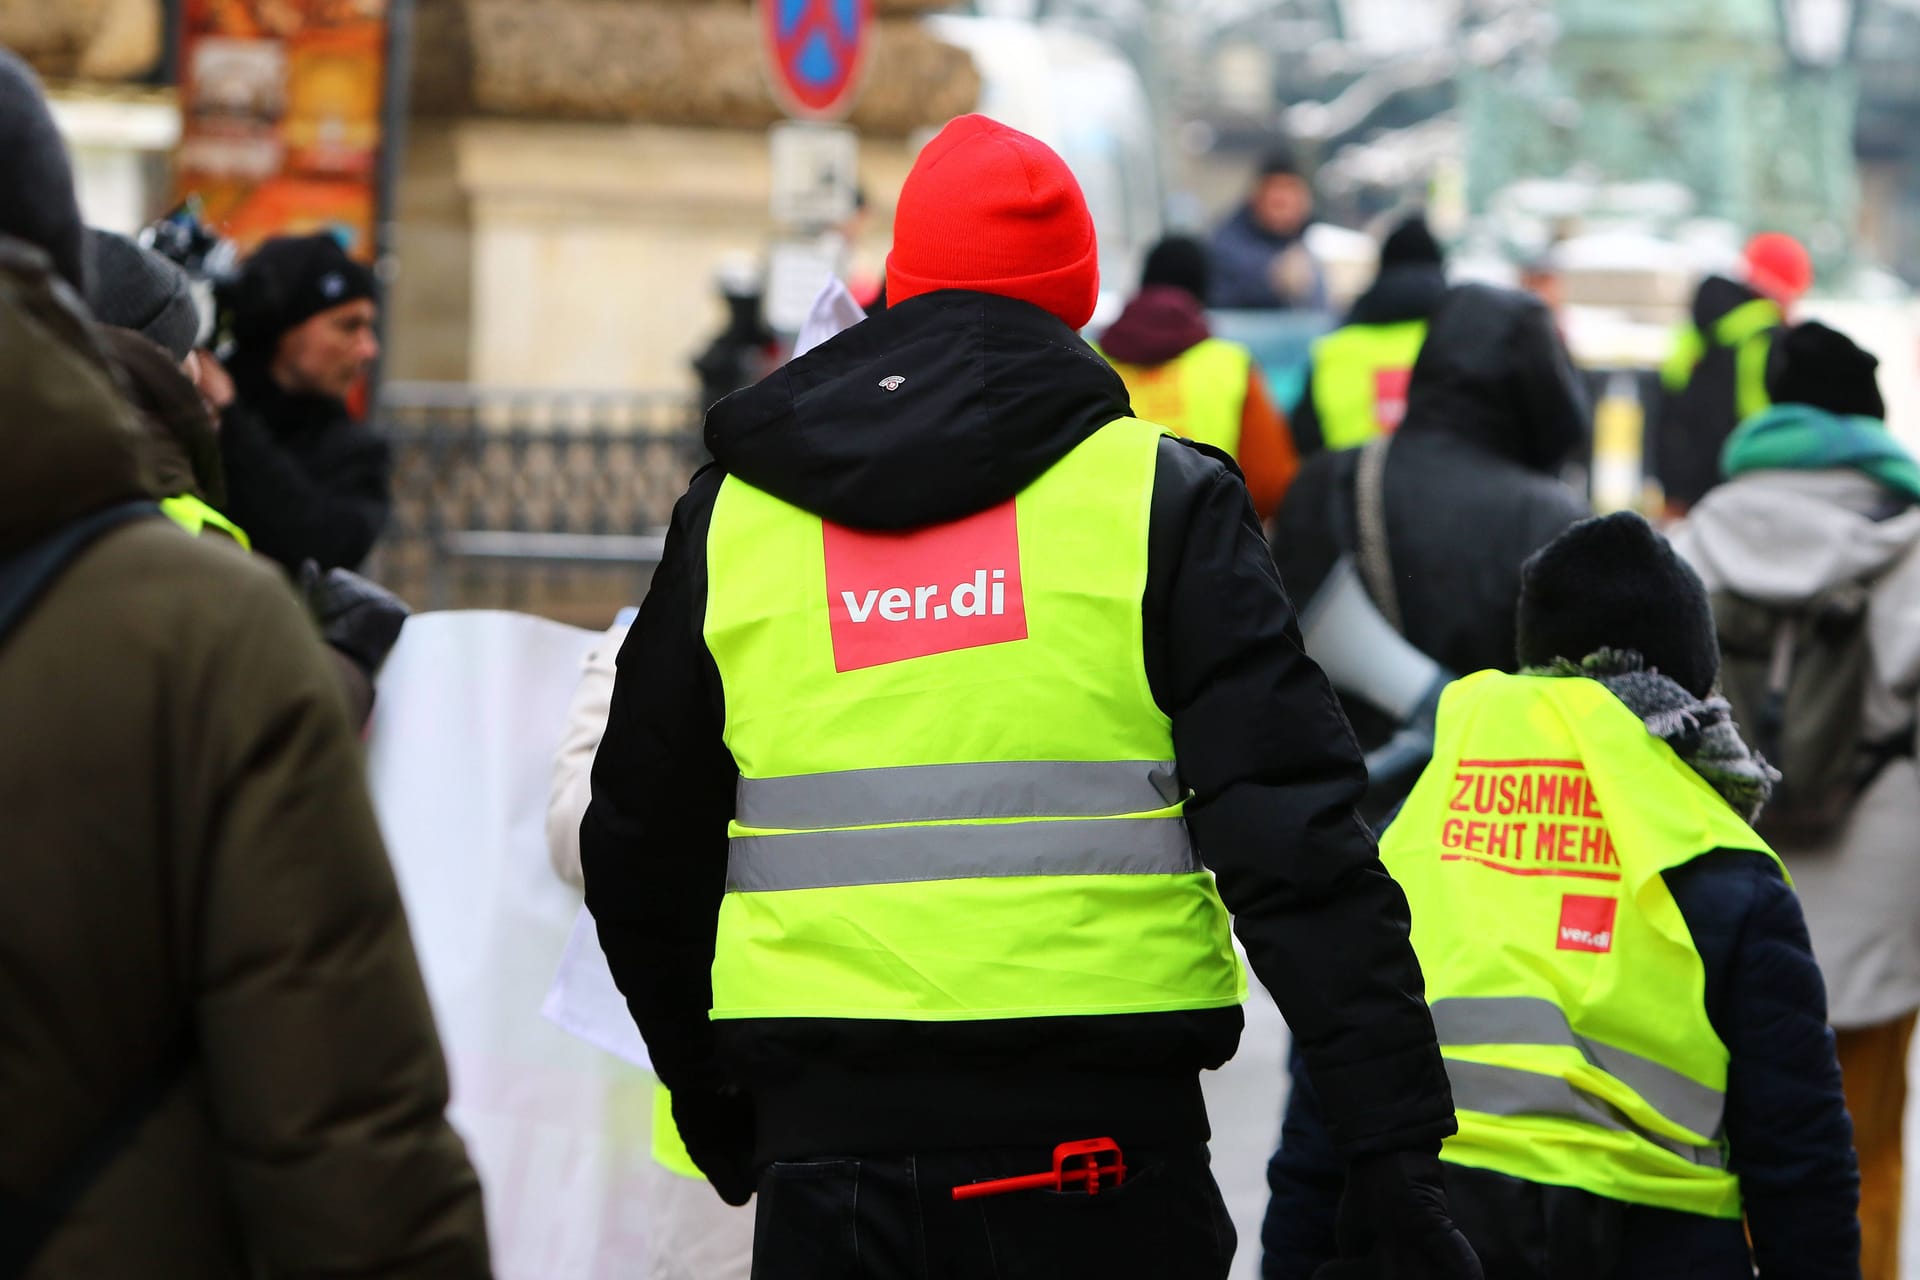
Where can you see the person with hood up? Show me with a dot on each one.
(1441, 514)
(1260, 255)
(218, 1059)
(1633, 1018)
(304, 479)
(1716, 376)
(1206, 388)
(1357, 380)
(962, 709)
(1820, 505)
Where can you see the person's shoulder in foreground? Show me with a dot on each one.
(219, 1058)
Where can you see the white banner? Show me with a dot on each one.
(470, 713)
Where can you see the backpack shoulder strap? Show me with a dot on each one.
(26, 575)
(1370, 518)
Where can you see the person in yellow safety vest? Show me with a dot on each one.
(941, 749)
(1716, 375)
(1633, 1020)
(1206, 388)
(1356, 385)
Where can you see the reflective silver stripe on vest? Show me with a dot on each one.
(1511, 1091)
(898, 855)
(943, 792)
(1463, 1021)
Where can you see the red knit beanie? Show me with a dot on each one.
(989, 208)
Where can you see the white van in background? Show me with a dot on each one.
(1081, 97)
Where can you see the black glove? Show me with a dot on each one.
(357, 616)
(716, 1125)
(1394, 1223)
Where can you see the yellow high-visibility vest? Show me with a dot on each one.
(957, 797)
(195, 516)
(1200, 393)
(1747, 332)
(1566, 988)
(1360, 378)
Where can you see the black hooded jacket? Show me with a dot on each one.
(303, 478)
(1406, 291)
(995, 393)
(1493, 411)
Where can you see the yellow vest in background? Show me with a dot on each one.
(1200, 393)
(957, 797)
(1566, 988)
(1360, 378)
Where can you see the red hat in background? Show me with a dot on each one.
(989, 208)
(1778, 266)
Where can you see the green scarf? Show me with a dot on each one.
(1799, 437)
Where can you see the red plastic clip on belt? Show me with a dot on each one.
(1088, 1166)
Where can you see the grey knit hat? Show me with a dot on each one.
(134, 288)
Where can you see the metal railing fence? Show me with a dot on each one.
(550, 502)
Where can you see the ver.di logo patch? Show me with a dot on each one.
(896, 596)
(1586, 923)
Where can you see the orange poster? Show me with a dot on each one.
(281, 116)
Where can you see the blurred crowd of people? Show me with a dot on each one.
(219, 1052)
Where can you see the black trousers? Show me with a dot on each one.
(894, 1218)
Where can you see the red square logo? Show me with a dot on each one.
(895, 596)
(1586, 924)
(1390, 396)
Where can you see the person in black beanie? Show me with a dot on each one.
(1823, 367)
(303, 478)
(1357, 380)
(1819, 516)
(1206, 388)
(1608, 603)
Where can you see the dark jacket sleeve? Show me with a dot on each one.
(1275, 774)
(1788, 1135)
(653, 843)
(292, 514)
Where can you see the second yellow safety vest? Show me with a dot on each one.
(1200, 393)
(957, 796)
(1566, 988)
(196, 516)
(1747, 332)
(1361, 373)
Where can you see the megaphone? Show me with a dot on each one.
(1366, 658)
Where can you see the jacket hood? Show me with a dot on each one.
(1409, 292)
(1783, 537)
(75, 445)
(1160, 323)
(183, 445)
(932, 410)
(1493, 372)
(1716, 296)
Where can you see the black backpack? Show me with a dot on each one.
(1797, 678)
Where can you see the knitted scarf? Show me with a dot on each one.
(1799, 437)
(1701, 733)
